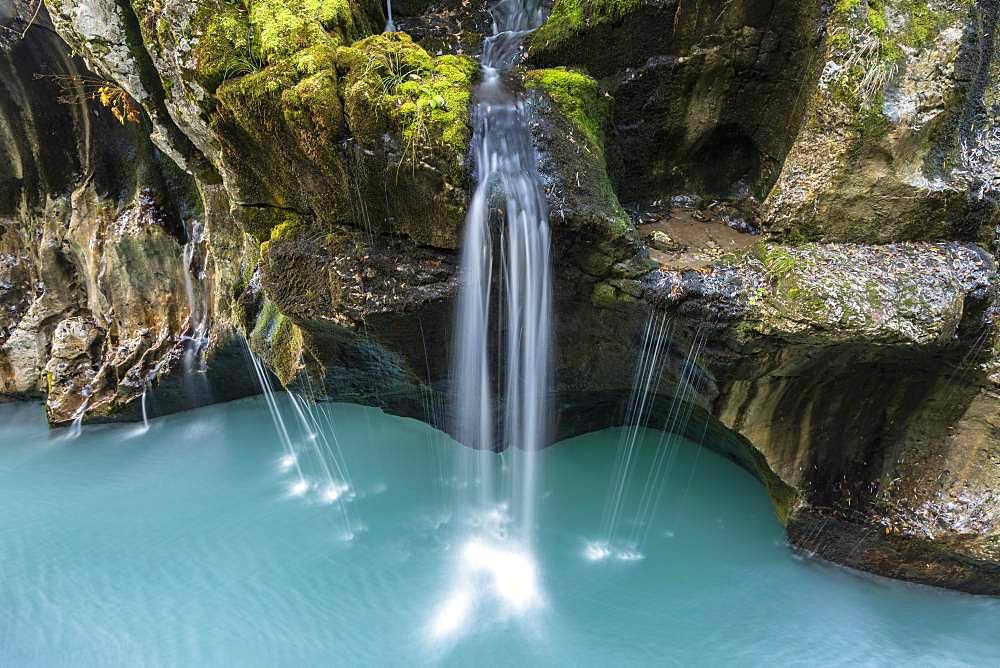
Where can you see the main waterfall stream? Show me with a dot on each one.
(507, 173)
(180, 545)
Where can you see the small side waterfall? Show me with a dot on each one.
(507, 174)
(626, 521)
(76, 427)
(315, 455)
(648, 374)
(390, 25)
(290, 460)
(142, 400)
(197, 338)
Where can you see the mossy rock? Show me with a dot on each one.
(590, 227)
(884, 154)
(695, 91)
(224, 46)
(408, 113)
(279, 129)
(570, 20)
(278, 341)
(579, 100)
(283, 27)
(393, 85)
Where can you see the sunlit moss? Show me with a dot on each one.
(570, 17)
(394, 84)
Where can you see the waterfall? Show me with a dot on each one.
(390, 25)
(507, 174)
(316, 445)
(145, 413)
(197, 339)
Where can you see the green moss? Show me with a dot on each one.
(845, 6)
(283, 27)
(299, 93)
(777, 260)
(603, 294)
(840, 40)
(278, 341)
(876, 18)
(570, 17)
(290, 225)
(236, 38)
(578, 99)
(393, 84)
(224, 48)
(606, 295)
(254, 99)
(262, 223)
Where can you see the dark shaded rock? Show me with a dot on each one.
(695, 86)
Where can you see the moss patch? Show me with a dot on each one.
(266, 224)
(225, 48)
(286, 26)
(395, 85)
(570, 17)
(278, 341)
(578, 99)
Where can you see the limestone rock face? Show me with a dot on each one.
(96, 250)
(900, 137)
(862, 376)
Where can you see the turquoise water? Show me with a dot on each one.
(182, 546)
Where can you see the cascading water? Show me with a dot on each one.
(650, 366)
(507, 179)
(390, 25)
(507, 174)
(319, 441)
(197, 338)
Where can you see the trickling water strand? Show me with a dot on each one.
(620, 469)
(196, 340)
(145, 414)
(291, 458)
(506, 166)
(678, 416)
(76, 428)
(649, 371)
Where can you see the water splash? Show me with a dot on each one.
(494, 577)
